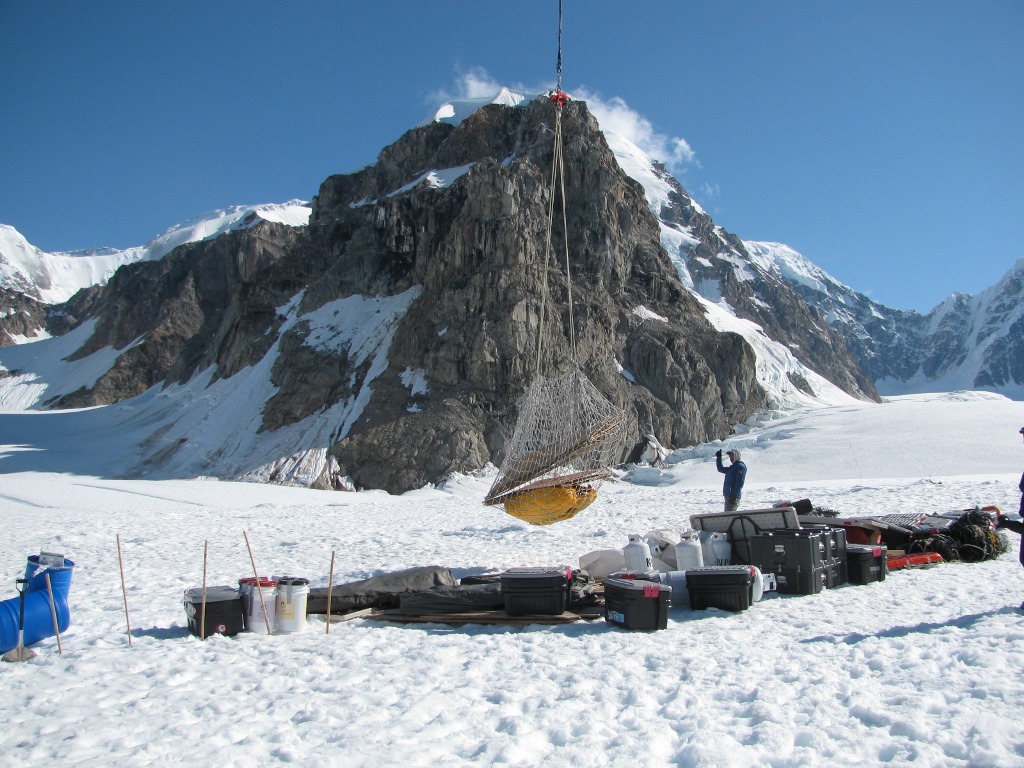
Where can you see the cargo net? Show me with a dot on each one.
(563, 445)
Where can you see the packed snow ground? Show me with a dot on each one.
(921, 669)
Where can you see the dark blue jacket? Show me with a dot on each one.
(735, 474)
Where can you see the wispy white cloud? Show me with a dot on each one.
(710, 190)
(613, 114)
(477, 83)
(617, 116)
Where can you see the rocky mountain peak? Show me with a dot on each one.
(389, 339)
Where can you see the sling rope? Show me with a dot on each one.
(567, 431)
(557, 183)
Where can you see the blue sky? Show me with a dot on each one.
(881, 139)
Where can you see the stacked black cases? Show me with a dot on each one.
(799, 559)
(835, 554)
(728, 587)
(865, 563)
(536, 591)
(637, 604)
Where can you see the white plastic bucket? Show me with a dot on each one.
(253, 615)
(292, 593)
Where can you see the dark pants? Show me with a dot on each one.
(1016, 526)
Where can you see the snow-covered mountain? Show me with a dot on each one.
(300, 345)
(53, 278)
(965, 342)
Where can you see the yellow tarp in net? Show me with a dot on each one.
(565, 441)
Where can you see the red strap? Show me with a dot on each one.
(651, 590)
(560, 98)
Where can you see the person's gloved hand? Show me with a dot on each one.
(1000, 521)
(718, 453)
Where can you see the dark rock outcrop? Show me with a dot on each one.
(20, 316)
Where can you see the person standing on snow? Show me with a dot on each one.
(1017, 526)
(735, 475)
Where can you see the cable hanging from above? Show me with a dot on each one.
(567, 432)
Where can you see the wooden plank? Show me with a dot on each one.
(335, 618)
(476, 617)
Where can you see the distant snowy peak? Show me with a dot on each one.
(207, 226)
(966, 342)
(455, 111)
(21, 263)
(780, 259)
(53, 278)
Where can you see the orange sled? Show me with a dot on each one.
(921, 560)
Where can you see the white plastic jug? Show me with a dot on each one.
(723, 550)
(689, 554)
(758, 583)
(638, 554)
(707, 540)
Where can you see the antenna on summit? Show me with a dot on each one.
(560, 98)
(558, 65)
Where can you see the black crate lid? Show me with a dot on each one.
(533, 572)
(648, 588)
(867, 549)
(722, 570)
(215, 594)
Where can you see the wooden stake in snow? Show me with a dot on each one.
(255, 573)
(202, 610)
(53, 612)
(330, 586)
(124, 592)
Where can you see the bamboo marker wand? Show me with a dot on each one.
(53, 612)
(124, 592)
(330, 586)
(202, 610)
(263, 605)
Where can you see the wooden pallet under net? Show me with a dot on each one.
(564, 442)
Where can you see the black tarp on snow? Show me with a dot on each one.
(382, 591)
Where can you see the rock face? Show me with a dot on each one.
(467, 243)
(20, 316)
(721, 267)
(205, 303)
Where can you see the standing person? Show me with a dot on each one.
(735, 475)
(1017, 526)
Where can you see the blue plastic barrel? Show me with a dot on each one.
(60, 576)
(38, 619)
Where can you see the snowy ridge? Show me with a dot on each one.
(55, 277)
(774, 361)
(455, 111)
(782, 260)
(965, 342)
(163, 429)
